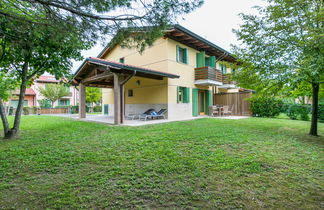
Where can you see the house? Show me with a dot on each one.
(179, 72)
(33, 96)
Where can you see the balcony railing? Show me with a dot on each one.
(208, 73)
(227, 79)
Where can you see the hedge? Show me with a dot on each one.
(266, 106)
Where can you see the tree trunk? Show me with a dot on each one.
(4, 118)
(313, 129)
(12, 133)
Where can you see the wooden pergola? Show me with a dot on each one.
(96, 72)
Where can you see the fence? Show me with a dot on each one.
(238, 100)
(53, 111)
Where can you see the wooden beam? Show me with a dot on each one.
(82, 103)
(98, 77)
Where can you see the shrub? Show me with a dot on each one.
(26, 110)
(45, 103)
(266, 106)
(298, 111)
(293, 111)
(97, 108)
(74, 109)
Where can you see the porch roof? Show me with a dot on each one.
(101, 71)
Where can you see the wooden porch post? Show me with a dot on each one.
(117, 104)
(82, 103)
(122, 103)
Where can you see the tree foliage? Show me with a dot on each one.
(281, 48)
(93, 95)
(45, 35)
(54, 92)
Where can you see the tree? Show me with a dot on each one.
(283, 47)
(45, 35)
(54, 92)
(93, 95)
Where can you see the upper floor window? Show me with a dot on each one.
(122, 60)
(223, 68)
(182, 55)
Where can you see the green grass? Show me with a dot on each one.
(207, 163)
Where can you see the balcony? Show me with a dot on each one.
(208, 76)
(228, 82)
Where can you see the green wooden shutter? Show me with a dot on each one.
(194, 102)
(212, 61)
(186, 59)
(209, 100)
(178, 53)
(106, 109)
(200, 59)
(178, 96)
(187, 91)
(68, 102)
(225, 69)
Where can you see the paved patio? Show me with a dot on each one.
(110, 119)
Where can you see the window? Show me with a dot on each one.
(222, 68)
(122, 60)
(207, 61)
(64, 102)
(182, 55)
(130, 93)
(183, 95)
(14, 103)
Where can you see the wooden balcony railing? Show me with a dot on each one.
(208, 73)
(227, 79)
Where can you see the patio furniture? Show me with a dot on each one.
(137, 116)
(146, 114)
(160, 114)
(228, 110)
(153, 115)
(214, 110)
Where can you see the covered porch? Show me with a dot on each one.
(100, 73)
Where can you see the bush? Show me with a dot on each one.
(298, 111)
(74, 109)
(45, 103)
(97, 108)
(266, 107)
(26, 110)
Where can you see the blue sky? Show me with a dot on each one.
(213, 21)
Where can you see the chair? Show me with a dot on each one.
(146, 114)
(160, 114)
(153, 115)
(134, 116)
(213, 110)
(227, 110)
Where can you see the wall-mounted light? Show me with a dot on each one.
(138, 83)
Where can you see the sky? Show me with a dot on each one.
(214, 21)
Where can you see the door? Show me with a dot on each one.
(201, 102)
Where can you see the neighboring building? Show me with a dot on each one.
(185, 71)
(32, 94)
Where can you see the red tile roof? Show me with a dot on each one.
(29, 91)
(50, 79)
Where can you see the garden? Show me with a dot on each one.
(252, 163)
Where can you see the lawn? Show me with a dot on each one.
(250, 163)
